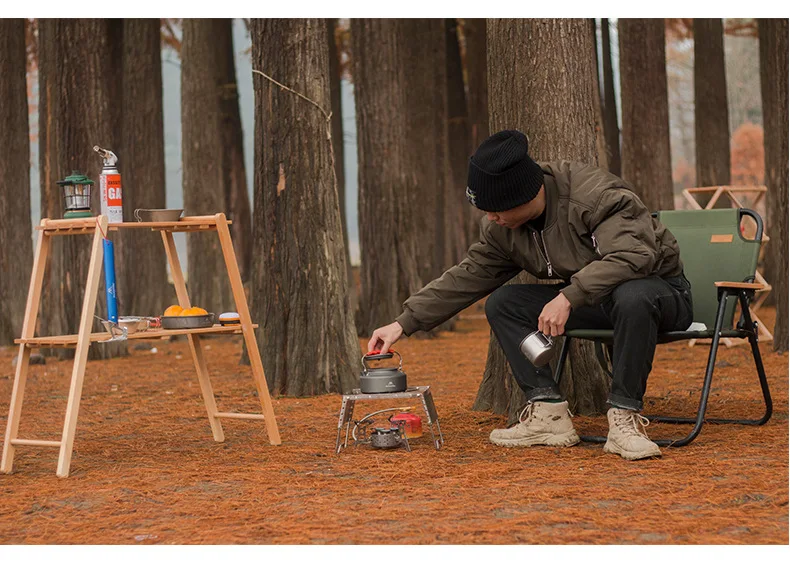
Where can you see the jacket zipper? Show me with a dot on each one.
(546, 255)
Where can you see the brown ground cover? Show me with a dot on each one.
(146, 469)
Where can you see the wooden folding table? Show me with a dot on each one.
(98, 227)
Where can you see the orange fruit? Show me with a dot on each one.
(194, 311)
(173, 310)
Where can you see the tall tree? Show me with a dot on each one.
(774, 86)
(610, 126)
(475, 40)
(647, 162)
(550, 65)
(234, 173)
(457, 237)
(202, 156)
(399, 79)
(299, 287)
(145, 290)
(337, 145)
(16, 254)
(76, 83)
(424, 82)
(711, 122)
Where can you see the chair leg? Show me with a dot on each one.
(566, 345)
(749, 325)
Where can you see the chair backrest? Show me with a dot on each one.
(712, 249)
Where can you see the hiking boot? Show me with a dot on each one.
(540, 423)
(627, 436)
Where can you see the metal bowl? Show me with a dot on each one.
(158, 214)
(131, 323)
(180, 322)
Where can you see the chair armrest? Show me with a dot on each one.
(739, 285)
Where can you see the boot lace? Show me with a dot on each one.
(526, 413)
(529, 411)
(631, 422)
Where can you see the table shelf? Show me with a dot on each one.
(71, 339)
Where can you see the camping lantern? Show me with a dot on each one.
(76, 195)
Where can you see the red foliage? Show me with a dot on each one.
(683, 175)
(747, 155)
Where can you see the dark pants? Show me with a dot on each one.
(637, 310)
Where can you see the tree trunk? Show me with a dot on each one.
(711, 123)
(774, 86)
(337, 146)
(647, 162)
(610, 125)
(145, 289)
(299, 280)
(76, 82)
(16, 254)
(477, 94)
(398, 158)
(234, 174)
(523, 56)
(457, 212)
(424, 83)
(204, 172)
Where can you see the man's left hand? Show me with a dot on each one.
(554, 316)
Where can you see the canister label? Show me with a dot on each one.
(111, 197)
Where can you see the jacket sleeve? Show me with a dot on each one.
(485, 268)
(622, 231)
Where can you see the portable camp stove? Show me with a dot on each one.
(360, 431)
(379, 438)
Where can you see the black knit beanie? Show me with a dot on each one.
(501, 173)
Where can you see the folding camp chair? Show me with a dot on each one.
(720, 263)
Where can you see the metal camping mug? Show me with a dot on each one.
(537, 347)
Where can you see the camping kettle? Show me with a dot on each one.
(383, 379)
(537, 348)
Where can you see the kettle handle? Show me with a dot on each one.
(377, 355)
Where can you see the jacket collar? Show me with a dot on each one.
(552, 198)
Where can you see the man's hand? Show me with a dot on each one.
(554, 316)
(384, 337)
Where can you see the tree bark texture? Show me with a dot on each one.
(203, 156)
(610, 125)
(457, 236)
(16, 253)
(234, 173)
(549, 63)
(142, 164)
(337, 146)
(711, 122)
(76, 80)
(399, 81)
(475, 40)
(647, 162)
(423, 56)
(774, 87)
(299, 278)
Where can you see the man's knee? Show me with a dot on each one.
(497, 303)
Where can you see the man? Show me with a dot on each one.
(621, 270)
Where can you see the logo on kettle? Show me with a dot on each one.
(470, 195)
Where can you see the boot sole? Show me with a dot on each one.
(564, 440)
(614, 448)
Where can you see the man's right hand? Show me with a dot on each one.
(384, 337)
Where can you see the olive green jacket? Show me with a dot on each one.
(597, 234)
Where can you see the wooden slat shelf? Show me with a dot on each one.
(71, 340)
(87, 225)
